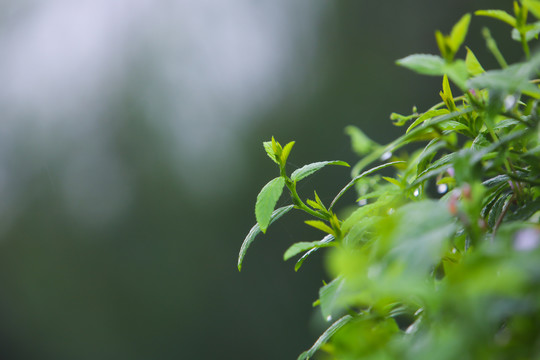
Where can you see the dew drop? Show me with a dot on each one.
(387, 155)
(442, 188)
(416, 192)
(329, 318)
(362, 202)
(390, 211)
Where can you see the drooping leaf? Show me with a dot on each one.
(255, 230)
(302, 246)
(266, 202)
(498, 14)
(323, 339)
(307, 170)
(326, 240)
(424, 64)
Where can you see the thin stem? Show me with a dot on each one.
(299, 203)
(492, 46)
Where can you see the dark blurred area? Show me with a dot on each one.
(131, 157)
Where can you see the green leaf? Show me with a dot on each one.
(498, 14)
(329, 297)
(426, 116)
(323, 339)
(446, 94)
(307, 170)
(302, 246)
(534, 7)
(326, 240)
(286, 151)
(393, 181)
(531, 32)
(255, 230)
(269, 151)
(514, 78)
(361, 144)
(317, 224)
(473, 65)
(424, 64)
(364, 174)
(266, 201)
(459, 32)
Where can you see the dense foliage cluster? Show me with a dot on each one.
(441, 260)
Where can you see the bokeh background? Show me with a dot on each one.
(131, 156)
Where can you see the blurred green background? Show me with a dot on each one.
(131, 156)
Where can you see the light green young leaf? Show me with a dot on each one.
(323, 339)
(307, 170)
(326, 240)
(270, 151)
(459, 32)
(446, 94)
(286, 151)
(473, 65)
(361, 144)
(329, 297)
(302, 246)
(426, 116)
(255, 230)
(498, 14)
(317, 224)
(364, 174)
(424, 64)
(266, 201)
(534, 7)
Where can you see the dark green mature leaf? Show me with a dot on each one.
(329, 297)
(424, 64)
(418, 243)
(266, 201)
(302, 246)
(307, 170)
(323, 339)
(255, 230)
(326, 240)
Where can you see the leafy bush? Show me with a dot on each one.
(442, 259)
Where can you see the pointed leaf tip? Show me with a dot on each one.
(255, 230)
